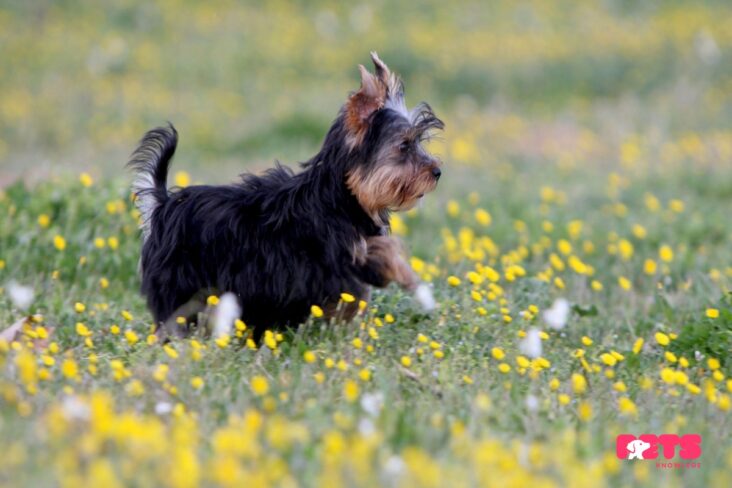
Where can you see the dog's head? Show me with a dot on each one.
(637, 447)
(391, 169)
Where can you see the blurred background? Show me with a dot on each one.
(604, 82)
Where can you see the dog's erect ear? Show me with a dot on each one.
(370, 97)
(361, 104)
(394, 86)
(381, 69)
(377, 90)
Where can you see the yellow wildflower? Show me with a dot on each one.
(82, 330)
(44, 220)
(59, 242)
(131, 337)
(86, 179)
(182, 179)
(259, 385)
(584, 410)
(316, 311)
(350, 391)
(626, 406)
(69, 369)
(579, 383)
(662, 339)
(483, 217)
(666, 253)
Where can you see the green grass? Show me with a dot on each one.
(597, 138)
(435, 409)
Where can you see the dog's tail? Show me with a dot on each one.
(150, 162)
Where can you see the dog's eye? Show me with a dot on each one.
(404, 146)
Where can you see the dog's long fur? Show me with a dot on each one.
(283, 241)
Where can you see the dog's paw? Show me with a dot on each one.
(423, 295)
(226, 313)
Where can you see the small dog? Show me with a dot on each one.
(284, 241)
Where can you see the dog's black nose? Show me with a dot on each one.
(436, 172)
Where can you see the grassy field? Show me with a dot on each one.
(588, 157)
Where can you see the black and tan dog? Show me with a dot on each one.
(284, 241)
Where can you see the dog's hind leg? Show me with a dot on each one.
(171, 327)
(178, 324)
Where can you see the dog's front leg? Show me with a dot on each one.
(386, 262)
